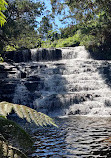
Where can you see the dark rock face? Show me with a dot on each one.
(18, 85)
(3, 72)
(23, 75)
(33, 83)
(27, 55)
(18, 56)
(7, 85)
(46, 54)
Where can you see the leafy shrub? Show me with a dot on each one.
(87, 40)
(67, 42)
(9, 48)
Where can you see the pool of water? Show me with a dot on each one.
(76, 137)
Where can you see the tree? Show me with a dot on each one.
(83, 10)
(93, 16)
(69, 30)
(45, 27)
(21, 21)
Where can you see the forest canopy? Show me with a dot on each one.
(93, 19)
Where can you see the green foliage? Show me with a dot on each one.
(94, 17)
(88, 40)
(52, 35)
(67, 42)
(70, 41)
(29, 114)
(9, 48)
(1, 59)
(8, 151)
(13, 137)
(69, 31)
(16, 135)
(2, 8)
(19, 31)
(79, 38)
(45, 27)
(27, 40)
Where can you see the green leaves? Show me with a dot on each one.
(45, 26)
(17, 134)
(14, 137)
(2, 5)
(19, 31)
(8, 151)
(29, 114)
(2, 19)
(2, 8)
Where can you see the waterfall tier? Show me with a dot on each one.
(63, 80)
(40, 54)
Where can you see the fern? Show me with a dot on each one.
(22, 111)
(29, 114)
(2, 8)
(8, 151)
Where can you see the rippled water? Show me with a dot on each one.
(76, 136)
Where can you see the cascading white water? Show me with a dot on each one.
(74, 83)
(21, 95)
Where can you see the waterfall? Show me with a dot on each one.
(66, 81)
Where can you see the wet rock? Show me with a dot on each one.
(33, 78)
(32, 86)
(18, 56)
(23, 75)
(45, 54)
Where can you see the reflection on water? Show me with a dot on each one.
(80, 137)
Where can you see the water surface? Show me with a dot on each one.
(77, 136)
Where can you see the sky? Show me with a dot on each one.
(57, 22)
(48, 7)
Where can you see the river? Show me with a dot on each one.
(76, 137)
